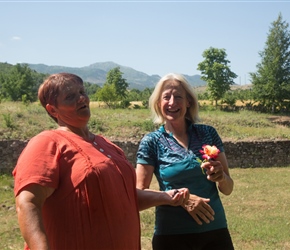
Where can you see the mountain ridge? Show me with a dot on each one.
(97, 73)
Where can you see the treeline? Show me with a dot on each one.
(19, 83)
(270, 91)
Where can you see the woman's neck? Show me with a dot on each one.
(179, 132)
(82, 132)
(177, 129)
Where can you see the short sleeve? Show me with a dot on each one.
(216, 140)
(146, 153)
(202, 134)
(38, 163)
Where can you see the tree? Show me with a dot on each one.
(134, 95)
(108, 95)
(271, 82)
(114, 89)
(216, 72)
(91, 89)
(114, 77)
(19, 84)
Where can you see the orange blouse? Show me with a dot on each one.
(94, 205)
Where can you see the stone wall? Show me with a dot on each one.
(9, 153)
(239, 154)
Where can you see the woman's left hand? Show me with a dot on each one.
(178, 196)
(214, 171)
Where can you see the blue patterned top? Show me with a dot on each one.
(177, 167)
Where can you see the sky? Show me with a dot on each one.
(154, 37)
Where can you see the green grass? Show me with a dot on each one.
(20, 121)
(10, 237)
(246, 125)
(258, 211)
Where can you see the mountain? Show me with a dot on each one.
(97, 73)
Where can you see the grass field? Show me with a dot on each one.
(19, 121)
(258, 211)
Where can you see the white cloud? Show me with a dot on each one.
(15, 38)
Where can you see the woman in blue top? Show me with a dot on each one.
(173, 154)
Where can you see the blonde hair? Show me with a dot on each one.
(192, 111)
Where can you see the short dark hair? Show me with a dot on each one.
(51, 87)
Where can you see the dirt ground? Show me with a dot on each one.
(281, 120)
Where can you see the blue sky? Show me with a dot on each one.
(154, 37)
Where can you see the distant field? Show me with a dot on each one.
(19, 121)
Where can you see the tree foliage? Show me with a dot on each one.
(91, 89)
(114, 78)
(216, 72)
(114, 89)
(20, 83)
(108, 95)
(271, 82)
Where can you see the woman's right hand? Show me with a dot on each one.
(199, 209)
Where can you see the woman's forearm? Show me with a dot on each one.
(31, 226)
(151, 198)
(29, 203)
(226, 186)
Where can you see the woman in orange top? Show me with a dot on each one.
(74, 189)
